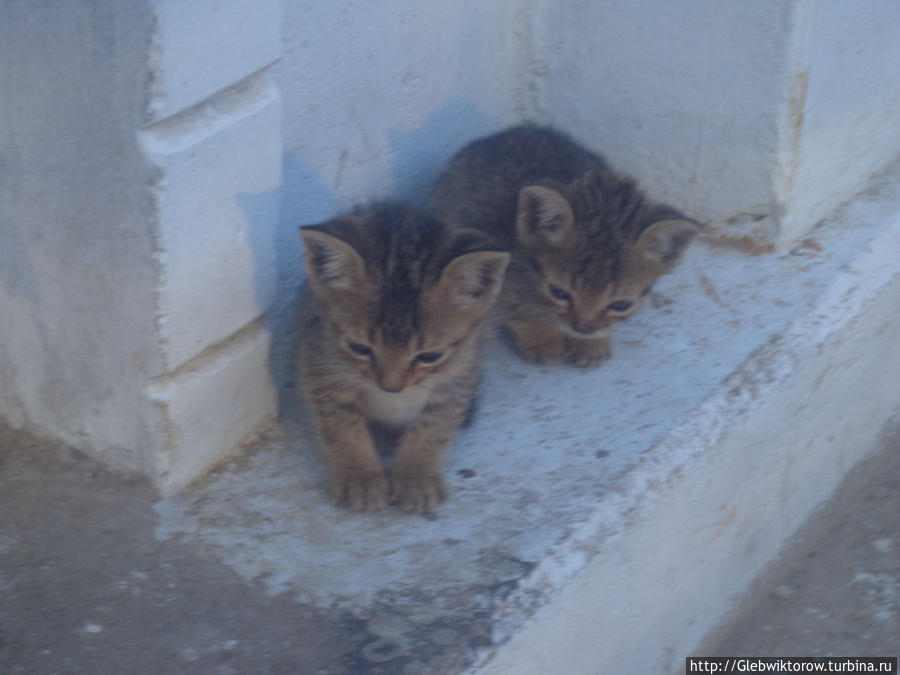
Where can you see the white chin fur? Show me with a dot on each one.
(395, 409)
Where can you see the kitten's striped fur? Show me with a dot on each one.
(587, 244)
(391, 333)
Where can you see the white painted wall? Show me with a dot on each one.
(761, 117)
(378, 95)
(844, 94)
(756, 117)
(204, 46)
(143, 230)
(682, 95)
(140, 148)
(77, 271)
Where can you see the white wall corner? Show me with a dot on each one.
(210, 406)
(791, 115)
(528, 52)
(837, 118)
(201, 47)
(213, 135)
(217, 196)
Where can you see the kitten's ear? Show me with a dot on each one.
(331, 261)
(474, 279)
(544, 216)
(666, 240)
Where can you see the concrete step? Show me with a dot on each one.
(600, 521)
(835, 587)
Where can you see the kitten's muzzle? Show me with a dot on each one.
(394, 382)
(391, 387)
(590, 328)
(586, 332)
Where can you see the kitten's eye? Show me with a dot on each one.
(620, 305)
(558, 293)
(427, 358)
(358, 349)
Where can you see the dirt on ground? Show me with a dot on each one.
(87, 588)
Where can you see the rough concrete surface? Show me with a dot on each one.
(835, 589)
(658, 485)
(87, 588)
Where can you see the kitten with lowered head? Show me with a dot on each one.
(587, 244)
(390, 337)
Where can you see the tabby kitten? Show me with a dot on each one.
(587, 244)
(391, 337)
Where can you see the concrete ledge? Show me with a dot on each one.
(703, 511)
(203, 46)
(211, 404)
(217, 197)
(601, 521)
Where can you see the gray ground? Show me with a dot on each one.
(86, 588)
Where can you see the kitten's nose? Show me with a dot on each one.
(392, 382)
(586, 327)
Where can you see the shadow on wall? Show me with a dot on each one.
(307, 198)
(17, 272)
(18, 285)
(303, 198)
(420, 155)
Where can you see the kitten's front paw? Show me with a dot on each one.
(589, 353)
(539, 343)
(361, 488)
(417, 490)
(545, 355)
